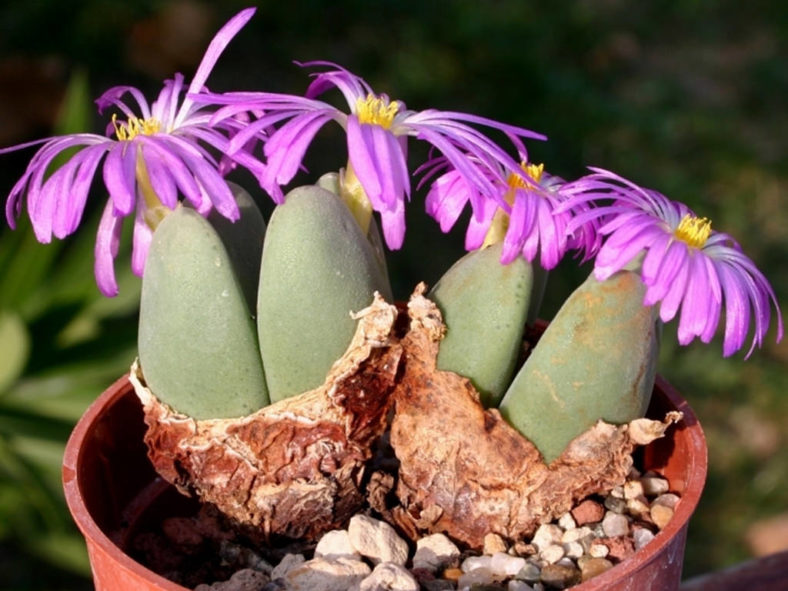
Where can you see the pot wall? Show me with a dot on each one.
(109, 484)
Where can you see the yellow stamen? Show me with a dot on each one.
(500, 222)
(354, 196)
(693, 231)
(376, 110)
(532, 171)
(155, 211)
(135, 126)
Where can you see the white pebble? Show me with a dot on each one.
(633, 489)
(288, 563)
(478, 576)
(577, 534)
(475, 562)
(553, 553)
(503, 564)
(574, 549)
(435, 552)
(389, 577)
(377, 540)
(617, 492)
(615, 525)
(637, 506)
(598, 551)
(667, 500)
(334, 544)
(654, 485)
(566, 522)
(642, 536)
(546, 535)
(321, 574)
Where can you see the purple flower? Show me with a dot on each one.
(376, 128)
(522, 214)
(156, 152)
(685, 263)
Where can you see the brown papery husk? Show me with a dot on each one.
(465, 471)
(294, 468)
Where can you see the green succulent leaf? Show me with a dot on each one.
(484, 306)
(596, 360)
(317, 268)
(197, 344)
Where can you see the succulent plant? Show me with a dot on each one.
(235, 316)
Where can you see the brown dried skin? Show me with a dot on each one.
(466, 472)
(293, 468)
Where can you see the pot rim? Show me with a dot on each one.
(94, 535)
(690, 496)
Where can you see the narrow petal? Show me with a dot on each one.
(120, 176)
(215, 49)
(141, 240)
(106, 249)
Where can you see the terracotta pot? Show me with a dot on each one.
(111, 488)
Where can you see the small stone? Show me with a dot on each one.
(637, 506)
(334, 544)
(654, 485)
(617, 492)
(633, 489)
(615, 504)
(452, 574)
(246, 579)
(515, 585)
(634, 474)
(620, 547)
(538, 587)
(615, 525)
(435, 552)
(288, 563)
(589, 511)
(478, 576)
(593, 567)
(552, 553)
(322, 574)
(493, 543)
(388, 576)
(524, 549)
(577, 534)
(598, 550)
(661, 515)
(530, 573)
(574, 549)
(506, 566)
(475, 562)
(560, 576)
(546, 535)
(642, 536)
(566, 521)
(377, 540)
(668, 500)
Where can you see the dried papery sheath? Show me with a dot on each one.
(294, 468)
(468, 472)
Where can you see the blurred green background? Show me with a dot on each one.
(688, 97)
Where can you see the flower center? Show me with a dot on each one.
(135, 126)
(376, 110)
(693, 231)
(534, 171)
